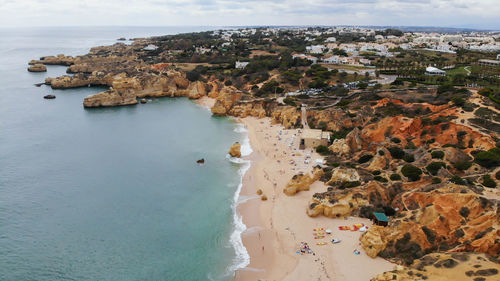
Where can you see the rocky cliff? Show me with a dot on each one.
(446, 266)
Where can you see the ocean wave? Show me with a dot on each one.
(246, 148)
(242, 258)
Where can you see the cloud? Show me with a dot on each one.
(477, 13)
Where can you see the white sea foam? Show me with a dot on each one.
(242, 258)
(246, 148)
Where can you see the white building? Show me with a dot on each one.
(150, 47)
(430, 70)
(331, 39)
(313, 59)
(240, 64)
(315, 49)
(332, 59)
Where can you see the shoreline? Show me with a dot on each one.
(274, 228)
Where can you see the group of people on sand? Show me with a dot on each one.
(304, 249)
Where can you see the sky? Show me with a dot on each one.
(484, 14)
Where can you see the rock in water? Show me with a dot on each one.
(201, 161)
(144, 100)
(37, 68)
(235, 150)
(49, 97)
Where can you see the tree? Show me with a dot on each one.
(488, 159)
(411, 172)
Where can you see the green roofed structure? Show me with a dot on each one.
(380, 219)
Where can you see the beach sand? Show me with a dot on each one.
(205, 102)
(276, 227)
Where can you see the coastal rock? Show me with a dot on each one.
(49, 97)
(108, 98)
(338, 203)
(196, 90)
(215, 87)
(340, 147)
(373, 241)
(248, 109)
(354, 140)
(122, 93)
(379, 162)
(302, 182)
(405, 128)
(235, 150)
(201, 161)
(446, 266)
(455, 155)
(451, 217)
(340, 174)
(144, 100)
(37, 68)
(228, 96)
(288, 116)
(54, 60)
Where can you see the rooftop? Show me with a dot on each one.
(381, 217)
(314, 134)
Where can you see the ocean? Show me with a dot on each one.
(111, 193)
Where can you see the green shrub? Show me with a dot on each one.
(488, 159)
(395, 140)
(497, 175)
(464, 212)
(434, 167)
(396, 152)
(408, 158)
(436, 180)
(395, 177)
(380, 179)
(349, 184)
(489, 182)
(323, 150)
(410, 145)
(365, 158)
(437, 154)
(289, 101)
(376, 173)
(458, 180)
(463, 165)
(411, 172)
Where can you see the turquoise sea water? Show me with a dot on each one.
(110, 193)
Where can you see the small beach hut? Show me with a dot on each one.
(380, 219)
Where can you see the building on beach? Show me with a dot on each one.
(312, 138)
(380, 219)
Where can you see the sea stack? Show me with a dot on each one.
(49, 97)
(37, 68)
(235, 150)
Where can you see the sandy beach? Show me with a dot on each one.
(276, 227)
